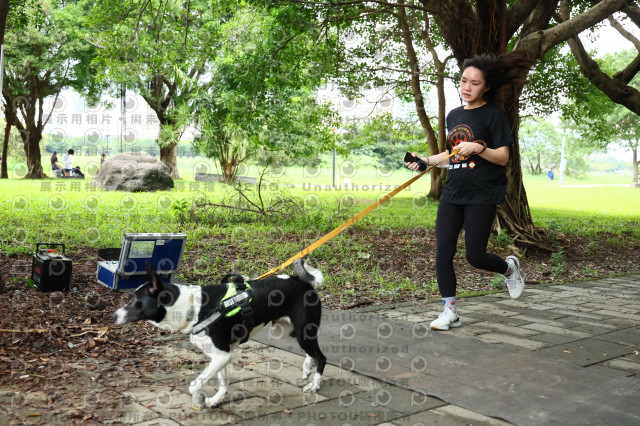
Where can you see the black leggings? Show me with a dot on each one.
(477, 221)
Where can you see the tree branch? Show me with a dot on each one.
(633, 12)
(538, 19)
(540, 42)
(630, 71)
(415, 77)
(458, 22)
(518, 14)
(626, 34)
(617, 91)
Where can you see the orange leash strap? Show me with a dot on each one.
(351, 221)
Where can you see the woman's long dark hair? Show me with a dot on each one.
(499, 71)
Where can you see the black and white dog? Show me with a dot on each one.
(187, 309)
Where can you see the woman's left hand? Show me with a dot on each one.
(468, 149)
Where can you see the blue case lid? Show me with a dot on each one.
(162, 250)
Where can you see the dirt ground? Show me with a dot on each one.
(56, 345)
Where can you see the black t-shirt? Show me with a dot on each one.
(474, 180)
(54, 160)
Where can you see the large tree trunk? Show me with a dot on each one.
(31, 140)
(169, 156)
(4, 172)
(159, 102)
(514, 215)
(168, 151)
(31, 131)
(438, 175)
(228, 171)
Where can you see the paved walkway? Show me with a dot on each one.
(581, 331)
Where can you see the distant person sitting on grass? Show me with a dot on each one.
(550, 176)
(67, 162)
(54, 162)
(78, 172)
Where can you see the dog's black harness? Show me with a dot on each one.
(236, 300)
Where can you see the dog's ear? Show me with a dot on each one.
(154, 279)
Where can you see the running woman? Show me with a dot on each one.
(476, 179)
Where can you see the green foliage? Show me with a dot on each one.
(262, 96)
(497, 282)
(558, 260)
(555, 76)
(503, 239)
(161, 49)
(180, 209)
(243, 74)
(156, 45)
(46, 54)
(30, 283)
(15, 154)
(21, 13)
(384, 139)
(592, 248)
(599, 120)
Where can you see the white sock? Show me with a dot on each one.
(449, 303)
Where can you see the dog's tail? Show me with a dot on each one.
(307, 273)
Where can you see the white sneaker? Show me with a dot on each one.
(514, 282)
(445, 320)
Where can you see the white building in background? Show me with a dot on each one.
(101, 128)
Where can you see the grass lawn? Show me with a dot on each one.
(74, 211)
(219, 240)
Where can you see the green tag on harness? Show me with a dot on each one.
(231, 292)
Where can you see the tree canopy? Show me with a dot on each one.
(600, 121)
(468, 28)
(262, 94)
(42, 57)
(161, 50)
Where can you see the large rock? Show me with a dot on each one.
(133, 173)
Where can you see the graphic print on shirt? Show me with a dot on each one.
(460, 133)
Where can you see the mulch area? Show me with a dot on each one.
(43, 336)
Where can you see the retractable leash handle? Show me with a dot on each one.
(352, 220)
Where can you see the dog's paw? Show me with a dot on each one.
(198, 399)
(311, 387)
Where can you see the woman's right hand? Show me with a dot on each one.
(413, 165)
